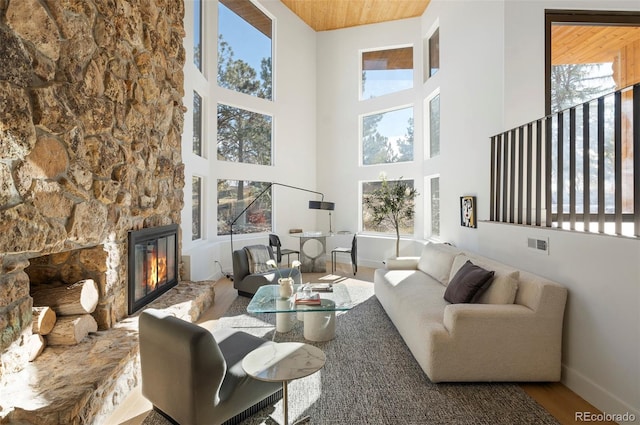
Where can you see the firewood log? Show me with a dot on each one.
(70, 330)
(44, 318)
(79, 298)
(35, 344)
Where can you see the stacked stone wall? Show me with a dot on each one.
(91, 117)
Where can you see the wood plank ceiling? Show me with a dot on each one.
(590, 43)
(325, 15)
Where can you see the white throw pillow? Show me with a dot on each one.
(436, 261)
(458, 262)
(503, 287)
(502, 290)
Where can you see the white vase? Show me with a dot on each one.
(286, 287)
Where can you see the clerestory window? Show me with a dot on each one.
(386, 71)
(244, 48)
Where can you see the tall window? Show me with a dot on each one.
(233, 197)
(387, 137)
(196, 208)
(386, 71)
(434, 54)
(197, 34)
(243, 136)
(434, 126)
(244, 48)
(385, 227)
(434, 198)
(197, 124)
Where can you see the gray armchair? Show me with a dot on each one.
(247, 283)
(194, 376)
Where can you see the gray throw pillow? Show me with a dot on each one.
(467, 283)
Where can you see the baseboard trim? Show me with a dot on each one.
(595, 394)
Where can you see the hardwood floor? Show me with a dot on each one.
(557, 399)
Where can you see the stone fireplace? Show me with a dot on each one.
(91, 117)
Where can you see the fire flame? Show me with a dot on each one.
(156, 271)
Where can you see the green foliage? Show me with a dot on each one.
(378, 149)
(573, 84)
(236, 74)
(391, 204)
(243, 136)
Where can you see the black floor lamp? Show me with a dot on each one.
(314, 205)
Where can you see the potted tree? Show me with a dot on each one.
(391, 204)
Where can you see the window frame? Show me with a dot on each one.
(428, 207)
(271, 37)
(263, 197)
(201, 209)
(382, 49)
(427, 125)
(361, 223)
(382, 112)
(578, 16)
(252, 111)
(199, 129)
(198, 28)
(431, 71)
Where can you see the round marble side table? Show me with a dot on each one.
(283, 362)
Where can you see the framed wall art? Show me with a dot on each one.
(468, 211)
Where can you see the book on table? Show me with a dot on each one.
(312, 298)
(322, 287)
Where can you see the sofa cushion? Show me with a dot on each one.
(467, 283)
(503, 287)
(410, 297)
(436, 261)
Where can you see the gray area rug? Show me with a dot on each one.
(371, 378)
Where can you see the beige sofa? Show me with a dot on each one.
(513, 332)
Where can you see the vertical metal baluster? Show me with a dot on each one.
(617, 138)
(586, 175)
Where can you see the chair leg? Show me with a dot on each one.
(333, 262)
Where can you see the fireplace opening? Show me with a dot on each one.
(153, 264)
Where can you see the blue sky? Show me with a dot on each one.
(247, 42)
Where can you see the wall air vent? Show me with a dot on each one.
(538, 244)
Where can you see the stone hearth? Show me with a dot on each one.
(82, 384)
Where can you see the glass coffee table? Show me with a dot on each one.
(319, 320)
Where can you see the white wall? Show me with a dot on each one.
(293, 111)
(471, 89)
(492, 79)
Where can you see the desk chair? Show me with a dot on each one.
(274, 241)
(353, 251)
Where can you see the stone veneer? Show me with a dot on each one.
(91, 117)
